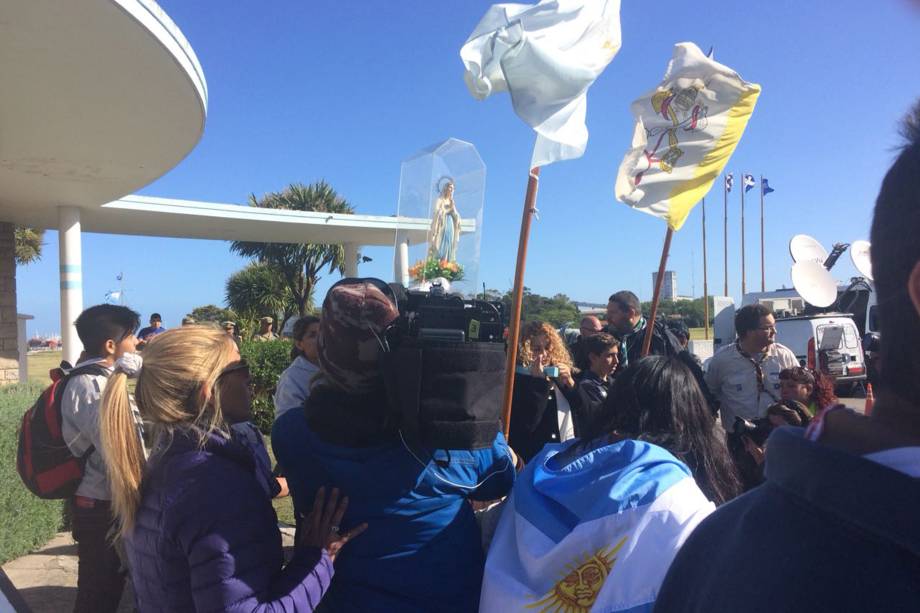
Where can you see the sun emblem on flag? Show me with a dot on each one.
(577, 591)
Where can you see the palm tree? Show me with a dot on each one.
(28, 244)
(257, 290)
(299, 264)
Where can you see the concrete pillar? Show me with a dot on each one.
(351, 259)
(9, 328)
(401, 259)
(71, 259)
(22, 342)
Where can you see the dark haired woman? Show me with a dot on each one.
(648, 469)
(294, 384)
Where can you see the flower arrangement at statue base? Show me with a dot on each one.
(432, 268)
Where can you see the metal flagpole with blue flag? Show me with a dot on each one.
(748, 182)
(727, 187)
(764, 190)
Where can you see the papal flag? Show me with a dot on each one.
(546, 55)
(686, 130)
(591, 527)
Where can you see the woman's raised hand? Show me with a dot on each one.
(321, 526)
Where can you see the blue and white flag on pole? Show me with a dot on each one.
(591, 527)
(765, 187)
(749, 182)
(545, 55)
(729, 182)
(112, 297)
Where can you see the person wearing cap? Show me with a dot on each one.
(230, 328)
(150, 332)
(265, 330)
(422, 549)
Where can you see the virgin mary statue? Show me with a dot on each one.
(445, 224)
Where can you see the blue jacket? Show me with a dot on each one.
(421, 551)
(827, 531)
(206, 536)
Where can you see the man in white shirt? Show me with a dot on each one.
(744, 376)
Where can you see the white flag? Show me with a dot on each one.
(686, 131)
(546, 56)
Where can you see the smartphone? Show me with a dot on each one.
(549, 371)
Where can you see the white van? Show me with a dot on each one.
(828, 342)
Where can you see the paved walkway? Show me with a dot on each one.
(47, 578)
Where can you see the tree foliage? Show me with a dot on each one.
(28, 244)
(690, 311)
(557, 310)
(256, 291)
(210, 312)
(298, 265)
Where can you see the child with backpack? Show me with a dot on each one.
(107, 333)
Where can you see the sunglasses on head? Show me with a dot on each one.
(239, 365)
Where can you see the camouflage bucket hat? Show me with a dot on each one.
(356, 313)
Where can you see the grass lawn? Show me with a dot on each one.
(698, 334)
(40, 362)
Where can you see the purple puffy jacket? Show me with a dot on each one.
(206, 536)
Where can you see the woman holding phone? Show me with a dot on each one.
(545, 405)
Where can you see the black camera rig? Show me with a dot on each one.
(444, 368)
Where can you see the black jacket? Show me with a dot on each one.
(534, 420)
(827, 531)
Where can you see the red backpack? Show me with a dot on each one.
(44, 461)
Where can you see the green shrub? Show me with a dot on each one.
(267, 360)
(28, 521)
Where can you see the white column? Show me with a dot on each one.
(71, 259)
(351, 259)
(401, 259)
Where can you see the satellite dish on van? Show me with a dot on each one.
(814, 283)
(859, 253)
(804, 248)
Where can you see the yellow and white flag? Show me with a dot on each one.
(546, 55)
(686, 130)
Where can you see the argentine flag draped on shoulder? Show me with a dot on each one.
(591, 526)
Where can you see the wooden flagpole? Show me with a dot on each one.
(514, 332)
(650, 324)
(705, 278)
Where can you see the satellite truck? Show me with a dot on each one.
(832, 328)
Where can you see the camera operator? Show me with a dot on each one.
(422, 549)
(748, 438)
(545, 398)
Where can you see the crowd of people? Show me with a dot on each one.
(621, 486)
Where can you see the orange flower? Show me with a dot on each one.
(443, 263)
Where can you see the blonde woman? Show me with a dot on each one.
(545, 404)
(196, 517)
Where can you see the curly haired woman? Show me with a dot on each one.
(545, 405)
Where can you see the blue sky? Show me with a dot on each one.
(344, 91)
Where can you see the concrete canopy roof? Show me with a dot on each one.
(99, 98)
(145, 215)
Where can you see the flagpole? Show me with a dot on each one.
(650, 324)
(725, 232)
(763, 278)
(705, 277)
(530, 200)
(743, 278)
